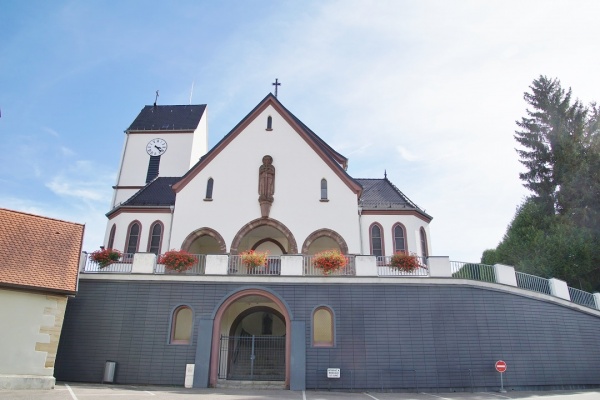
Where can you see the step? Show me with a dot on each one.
(230, 384)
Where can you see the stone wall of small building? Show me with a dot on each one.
(386, 335)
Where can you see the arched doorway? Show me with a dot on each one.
(251, 338)
(264, 233)
(204, 241)
(324, 239)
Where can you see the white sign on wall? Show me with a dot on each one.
(333, 372)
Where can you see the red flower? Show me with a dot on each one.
(105, 257)
(404, 262)
(330, 261)
(177, 260)
(252, 259)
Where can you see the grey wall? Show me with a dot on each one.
(386, 335)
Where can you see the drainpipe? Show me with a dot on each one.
(360, 229)
(172, 208)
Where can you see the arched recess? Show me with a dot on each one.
(198, 233)
(325, 233)
(269, 240)
(292, 246)
(216, 333)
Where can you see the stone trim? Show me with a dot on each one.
(205, 231)
(57, 313)
(325, 233)
(292, 246)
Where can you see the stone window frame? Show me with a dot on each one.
(424, 248)
(328, 309)
(111, 237)
(401, 226)
(128, 237)
(209, 189)
(173, 325)
(151, 236)
(324, 191)
(381, 238)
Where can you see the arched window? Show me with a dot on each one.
(269, 123)
(155, 239)
(424, 250)
(323, 332)
(376, 236)
(399, 234)
(209, 189)
(181, 325)
(111, 236)
(133, 238)
(323, 189)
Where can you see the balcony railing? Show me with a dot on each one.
(533, 283)
(476, 272)
(384, 268)
(237, 267)
(197, 269)
(123, 266)
(310, 269)
(582, 298)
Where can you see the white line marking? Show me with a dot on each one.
(150, 393)
(497, 395)
(303, 395)
(439, 397)
(71, 391)
(373, 397)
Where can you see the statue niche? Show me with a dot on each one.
(266, 185)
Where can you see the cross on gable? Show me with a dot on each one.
(276, 83)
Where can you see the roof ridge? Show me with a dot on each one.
(41, 216)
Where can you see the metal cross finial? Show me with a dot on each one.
(156, 98)
(276, 84)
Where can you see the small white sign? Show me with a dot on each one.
(333, 372)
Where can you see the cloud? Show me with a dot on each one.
(405, 154)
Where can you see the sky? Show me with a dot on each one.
(428, 91)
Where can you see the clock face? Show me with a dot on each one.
(156, 147)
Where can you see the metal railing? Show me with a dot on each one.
(476, 272)
(582, 298)
(385, 268)
(197, 269)
(533, 283)
(123, 266)
(311, 270)
(237, 267)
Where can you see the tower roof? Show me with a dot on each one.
(381, 195)
(168, 118)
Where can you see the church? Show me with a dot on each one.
(273, 186)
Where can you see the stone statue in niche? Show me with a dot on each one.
(266, 185)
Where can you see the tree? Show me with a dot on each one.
(556, 231)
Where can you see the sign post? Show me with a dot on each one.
(501, 367)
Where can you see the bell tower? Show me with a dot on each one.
(162, 141)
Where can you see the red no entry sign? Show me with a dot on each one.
(500, 366)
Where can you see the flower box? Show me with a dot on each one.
(105, 257)
(330, 261)
(252, 259)
(177, 260)
(405, 262)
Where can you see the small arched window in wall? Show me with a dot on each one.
(111, 236)
(181, 325)
(323, 330)
(424, 250)
(155, 239)
(376, 236)
(209, 189)
(399, 238)
(133, 238)
(269, 123)
(324, 190)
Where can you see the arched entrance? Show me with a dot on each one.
(265, 233)
(204, 241)
(251, 338)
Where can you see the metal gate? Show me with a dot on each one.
(252, 358)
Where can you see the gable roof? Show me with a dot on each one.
(157, 193)
(39, 253)
(168, 118)
(335, 160)
(382, 196)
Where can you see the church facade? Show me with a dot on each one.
(272, 185)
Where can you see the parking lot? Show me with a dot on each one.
(77, 391)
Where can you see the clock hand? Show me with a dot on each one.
(158, 148)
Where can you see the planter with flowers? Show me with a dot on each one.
(405, 262)
(105, 257)
(177, 260)
(330, 261)
(252, 259)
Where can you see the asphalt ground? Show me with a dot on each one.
(78, 391)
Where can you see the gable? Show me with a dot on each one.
(39, 252)
(335, 161)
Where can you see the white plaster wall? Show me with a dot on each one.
(22, 315)
(146, 220)
(299, 171)
(412, 224)
(200, 140)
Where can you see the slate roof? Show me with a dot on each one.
(381, 194)
(39, 253)
(156, 193)
(168, 118)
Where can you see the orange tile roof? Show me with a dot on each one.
(39, 252)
